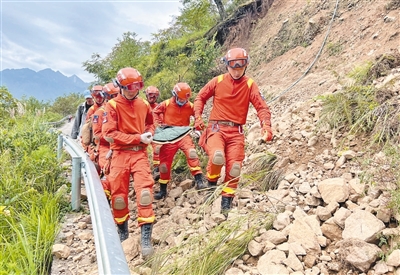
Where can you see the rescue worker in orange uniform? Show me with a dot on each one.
(152, 94)
(176, 111)
(223, 139)
(102, 146)
(128, 126)
(98, 98)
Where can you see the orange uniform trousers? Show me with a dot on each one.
(156, 154)
(103, 150)
(167, 154)
(229, 140)
(125, 163)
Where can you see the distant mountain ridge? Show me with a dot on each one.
(45, 85)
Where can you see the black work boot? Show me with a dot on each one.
(156, 173)
(123, 231)
(147, 248)
(210, 191)
(162, 193)
(199, 181)
(226, 205)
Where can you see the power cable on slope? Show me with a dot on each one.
(316, 57)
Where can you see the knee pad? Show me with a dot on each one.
(193, 154)
(157, 149)
(163, 168)
(109, 140)
(119, 203)
(235, 170)
(145, 197)
(218, 158)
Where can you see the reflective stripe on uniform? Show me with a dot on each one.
(196, 168)
(113, 103)
(250, 82)
(212, 176)
(229, 190)
(146, 220)
(121, 220)
(163, 181)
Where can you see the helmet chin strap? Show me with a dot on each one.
(244, 72)
(123, 94)
(178, 102)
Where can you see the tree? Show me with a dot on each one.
(128, 52)
(67, 104)
(221, 9)
(218, 3)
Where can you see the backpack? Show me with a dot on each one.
(87, 132)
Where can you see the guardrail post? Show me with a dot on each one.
(76, 183)
(60, 146)
(110, 255)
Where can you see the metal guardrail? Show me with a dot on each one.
(110, 255)
(55, 123)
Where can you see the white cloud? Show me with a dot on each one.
(61, 35)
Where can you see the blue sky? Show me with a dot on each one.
(62, 34)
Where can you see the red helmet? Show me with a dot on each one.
(97, 93)
(152, 94)
(236, 58)
(152, 90)
(129, 79)
(182, 91)
(110, 90)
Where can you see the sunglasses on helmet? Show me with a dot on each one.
(133, 86)
(236, 63)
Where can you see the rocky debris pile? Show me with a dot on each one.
(74, 250)
(327, 221)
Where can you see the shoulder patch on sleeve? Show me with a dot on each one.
(95, 119)
(105, 117)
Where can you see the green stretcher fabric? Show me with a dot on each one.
(170, 134)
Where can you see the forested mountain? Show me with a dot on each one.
(44, 85)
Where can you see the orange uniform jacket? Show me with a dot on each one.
(97, 123)
(92, 110)
(170, 113)
(231, 99)
(125, 120)
(153, 105)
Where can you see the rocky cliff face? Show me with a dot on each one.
(328, 217)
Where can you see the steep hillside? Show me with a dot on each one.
(361, 31)
(330, 214)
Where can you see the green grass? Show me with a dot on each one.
(31, 234)
(260, 173)
(30, 208)
(212, 252)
